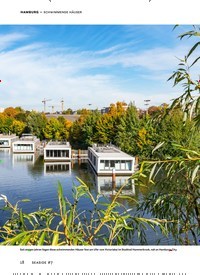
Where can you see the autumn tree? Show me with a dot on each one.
(107, 125)
(57, 129)
(18, 127)
(11, 112)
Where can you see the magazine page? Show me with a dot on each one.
(99, 137)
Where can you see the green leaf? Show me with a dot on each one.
(193, 48)
(14, 240)
(194, 173)
(195, 61)
(152, 171)
(25, 200)
(158, 146)
(69, 218)
(21, 218)
(42, 238)
(25, 240)
(55, 238)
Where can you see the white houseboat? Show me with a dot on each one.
(107, 160)
(7, 140)
(26, 144)
(57, 151)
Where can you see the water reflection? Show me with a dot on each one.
(106, 186)
(5, 151)
(23, 158)
(5, 159)
(57, 168)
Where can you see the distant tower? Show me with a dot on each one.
(147, 101)
(62, 105)
(44, 101)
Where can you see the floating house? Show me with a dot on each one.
(57, 168)
(106, 160)
(7, 140)
(57, 151)
(26, 144)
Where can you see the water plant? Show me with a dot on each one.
(108, 223)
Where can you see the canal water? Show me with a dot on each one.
(25, 176)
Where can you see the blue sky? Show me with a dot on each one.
(88, 64)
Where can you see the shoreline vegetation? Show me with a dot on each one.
(166, 139)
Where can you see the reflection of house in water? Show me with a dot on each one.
(105, 185)
(7, 140)
(57, 168)
(6, 151)
(23, 158)
(5, 158)
(57, 151)
(26, 144)
(105, 159)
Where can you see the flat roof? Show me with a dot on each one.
(25, 141)
(58, 145)
(109, 151)
(8, 136)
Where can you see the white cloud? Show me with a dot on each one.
(36, 71)
(7, 40)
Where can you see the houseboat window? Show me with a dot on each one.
(57, 153)
(101, 167)
(123, 167)
(23, 147)
(112, 164)
(128, 164)
(95, 161)
(107, 164)
(4, 142)
(117, 164)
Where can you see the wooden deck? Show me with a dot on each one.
(79, 154)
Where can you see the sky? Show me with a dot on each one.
(88, 66)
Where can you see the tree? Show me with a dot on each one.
(69, 111)
(89, 129)
(108, 123)
(18, 127)
(176, 179)
(36, 123)
(57, 129)
(11, 112)
(189, 100)
(127, 130)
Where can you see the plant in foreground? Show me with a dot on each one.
(108, 223)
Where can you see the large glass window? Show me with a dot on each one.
(128, 165)
(107, 164)
(4, 142)
(112, 164)
(117, 164)
(23, 147)
(101, 167)
(123, 167)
